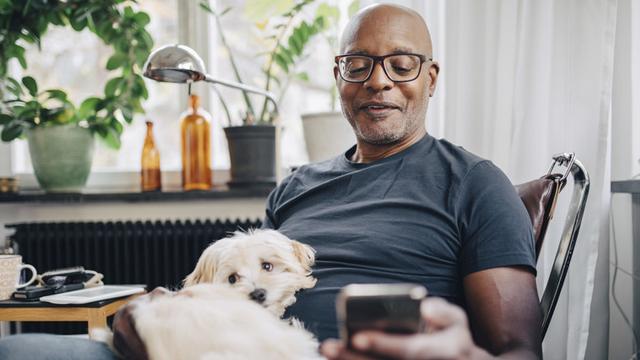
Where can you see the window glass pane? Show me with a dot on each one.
(76, 62)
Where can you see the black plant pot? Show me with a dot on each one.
(252, 150)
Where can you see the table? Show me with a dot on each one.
(95, 314)
(633, 187)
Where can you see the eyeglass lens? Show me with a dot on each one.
(357, 68)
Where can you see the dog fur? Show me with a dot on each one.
(243, 256)
(214, 317)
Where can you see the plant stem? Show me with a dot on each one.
(224, 105)
(233, 66)
(271, 57)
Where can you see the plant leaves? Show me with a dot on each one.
(88, 107)
(353, 8)
(57, 94)
(116, 60)
(5, 119)
(142, 18)
(111, 86)
(14, 87)
(280, 60)
(112, 138)
(30, 83)
(13, 130)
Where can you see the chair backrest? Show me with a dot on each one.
(540, 198)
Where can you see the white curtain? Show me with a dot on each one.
(521, 81)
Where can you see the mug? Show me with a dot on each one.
(10, 268)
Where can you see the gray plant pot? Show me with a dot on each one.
(252, 151)
(61, 156)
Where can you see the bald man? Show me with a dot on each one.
(402, 206)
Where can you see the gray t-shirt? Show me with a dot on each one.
(430, 214)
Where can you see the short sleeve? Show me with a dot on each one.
(494, 225)
(273, 200)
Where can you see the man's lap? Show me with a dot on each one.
(52, 347)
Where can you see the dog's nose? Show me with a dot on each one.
(258, 295)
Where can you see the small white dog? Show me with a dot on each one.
(226, 309)
(265, 265)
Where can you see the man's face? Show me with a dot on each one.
(379, 110)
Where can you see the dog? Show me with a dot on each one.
(265, 265)
(229, 308)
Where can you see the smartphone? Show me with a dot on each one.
(392, 308)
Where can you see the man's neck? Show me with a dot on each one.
(366, 153)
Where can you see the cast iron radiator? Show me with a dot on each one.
(159, 253)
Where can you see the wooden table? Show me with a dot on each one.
(95, 314)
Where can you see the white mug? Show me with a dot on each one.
(10, 268)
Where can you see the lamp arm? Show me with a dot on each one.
(244, 87)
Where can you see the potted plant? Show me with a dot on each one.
(60, 134)
(252, 145)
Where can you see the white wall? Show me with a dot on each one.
(625, 134)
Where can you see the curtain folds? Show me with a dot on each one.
(521, 81)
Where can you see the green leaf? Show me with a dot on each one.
(30, 84)
(14, 87)
(57, 94)
(12, 131)
(353, 8)
(111, 86)
(5, 119)
(112, 138)
(287, 56)
(280, 60)
(88, 107)
(225, 11)
(128, 12)
(295, 42)
(328, 11)
(205, 6)
(116, 60)
(142, 18)
(303, 76)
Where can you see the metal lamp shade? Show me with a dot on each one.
(176, 64)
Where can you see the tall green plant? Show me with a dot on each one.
(288, 35)
(117, 25)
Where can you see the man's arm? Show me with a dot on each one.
(504, 312)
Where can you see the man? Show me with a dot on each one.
(402, 206)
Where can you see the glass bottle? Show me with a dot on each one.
(196, 153)
(150, 176)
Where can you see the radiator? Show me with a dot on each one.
(159, 253)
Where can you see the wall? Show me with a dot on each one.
(625, 134)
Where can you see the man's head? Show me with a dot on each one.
(382, 111)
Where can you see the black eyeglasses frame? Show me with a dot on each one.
(380, 60)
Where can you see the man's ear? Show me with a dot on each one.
(304, 253)
(204, 271)
(434, 70)
(335, 73)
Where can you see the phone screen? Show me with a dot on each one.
(393, 308)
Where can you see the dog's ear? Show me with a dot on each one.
(204, 271)
(304, 253)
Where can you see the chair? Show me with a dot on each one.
(540, 198)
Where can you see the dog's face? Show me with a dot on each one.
(264, 265)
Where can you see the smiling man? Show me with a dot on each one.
(402, 206)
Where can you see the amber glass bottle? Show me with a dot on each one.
(196, 153)
(150, 176)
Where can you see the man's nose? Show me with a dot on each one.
(378, 80)
(258, 295)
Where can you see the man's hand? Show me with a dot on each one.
(447, 337)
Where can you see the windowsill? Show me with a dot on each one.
(218, 192)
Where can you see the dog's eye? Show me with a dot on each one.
(267, 266)
(233, 278)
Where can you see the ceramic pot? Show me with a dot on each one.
(326, 134)
(61, 156)
(252, 153)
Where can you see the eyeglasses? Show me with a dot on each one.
(399, 68)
